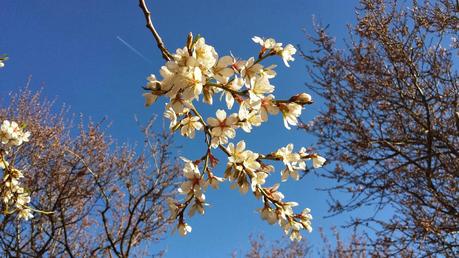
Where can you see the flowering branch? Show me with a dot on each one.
(196, 70)
(14, 197)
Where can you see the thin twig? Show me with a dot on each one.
(165, 53)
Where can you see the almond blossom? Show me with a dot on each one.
(222, 127)
(268, 107)
(235, 85)
(222, 70)
(190, 125)
(292, 161)
(195, 184)
(290, 113)
(287, 54)
(318, 161)
(205, 54)
(260, 87)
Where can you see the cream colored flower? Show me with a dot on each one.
(182, 58)
(292, 161)
(222, 127)
(290, 113)
(222, 71)
(287, 54)
(318, 161)
(179, 104)
(258, 179)
(250, 120)
(249, 71)
(192, 83)
(198, 206)
(190, 125)
(237, 153)
(235, 85)
(153, 84)
(268, 214)
(250, 161)
(268, 107)
(195, 183)
(260, 87)
(150, 98)
(205, 54)
(170, 114)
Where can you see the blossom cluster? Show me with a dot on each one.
(14, 197)
(197, 72)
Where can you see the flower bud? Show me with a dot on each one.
(302, 99)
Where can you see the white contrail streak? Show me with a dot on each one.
(133, 49)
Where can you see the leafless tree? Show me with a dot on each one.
(391, 122)
(106, 200)
(284, 248)
(355, 246)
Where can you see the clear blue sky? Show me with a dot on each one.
(71, 48)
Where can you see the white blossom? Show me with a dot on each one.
(195, 183)
(192, 83)
(318, 161)
(258, 179)
(222, 71)
(292, 161)
(170, 114)
(249, 71)
(189, 125)
(205, 54)
(235, 85)
(222, 127)
(287, 54)
(290, 113)
(268, 107)
(236, 153)
(260, 87)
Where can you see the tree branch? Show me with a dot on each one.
(165, 53)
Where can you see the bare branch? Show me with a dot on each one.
(165, 53)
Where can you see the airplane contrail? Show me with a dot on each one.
(133, 49)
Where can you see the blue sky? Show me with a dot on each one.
(72, 49)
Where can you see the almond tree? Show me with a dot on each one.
(391, 122)
(88, 195)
